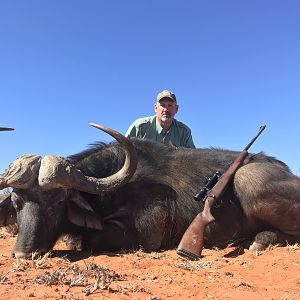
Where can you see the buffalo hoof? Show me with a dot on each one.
(74, 242)
(258, 247)
(263, 240)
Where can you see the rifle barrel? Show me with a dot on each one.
(261, 129)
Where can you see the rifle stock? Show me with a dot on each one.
(191, 244)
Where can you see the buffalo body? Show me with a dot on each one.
(156, 205)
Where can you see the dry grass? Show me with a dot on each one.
(9, 230)
(153, 255)
(4, 278)
(36, 262)
(12, 229)
(91, 278)
(193, 265)
(293, 247)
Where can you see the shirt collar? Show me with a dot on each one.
(159, 129)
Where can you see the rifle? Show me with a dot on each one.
(191, 243)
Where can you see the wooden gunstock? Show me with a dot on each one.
(191, 243)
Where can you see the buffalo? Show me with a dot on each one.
(138, 193)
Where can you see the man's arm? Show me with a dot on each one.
(131, 131)
(138, 127)
(189, 143)
(185, 133)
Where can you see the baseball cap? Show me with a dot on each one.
(166, 94)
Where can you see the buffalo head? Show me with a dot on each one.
(43, 189)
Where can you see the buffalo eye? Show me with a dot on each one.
(17, 201)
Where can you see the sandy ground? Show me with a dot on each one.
(232, 273)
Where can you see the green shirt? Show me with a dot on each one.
(147, 128)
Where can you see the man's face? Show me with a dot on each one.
(165, 109)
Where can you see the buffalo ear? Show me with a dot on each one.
(84, 218)
(8, 214)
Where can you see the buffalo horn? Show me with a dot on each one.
(21, 173)
(57, 172)
(6, 129)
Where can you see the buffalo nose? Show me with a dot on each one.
(26, 255)
(19, 254)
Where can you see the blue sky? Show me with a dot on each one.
(234, 65)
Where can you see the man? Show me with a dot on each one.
(163, 127)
